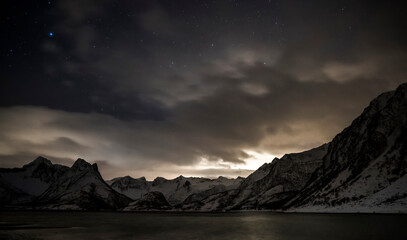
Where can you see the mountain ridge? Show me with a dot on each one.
(363, 169)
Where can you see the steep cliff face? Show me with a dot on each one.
(366, 164)
(81, 187)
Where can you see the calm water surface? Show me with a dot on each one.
(207, 226)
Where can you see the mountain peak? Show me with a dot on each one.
(127, 178)
(41, 159)
(38, 161)
(158, 180)
(81, 165)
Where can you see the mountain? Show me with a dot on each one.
(365, 167)
(149, 201)
(268, 187)
(81, 187)
(43, 185)
(275, 183)
(175, 190)
(133, 188)
(22, 185)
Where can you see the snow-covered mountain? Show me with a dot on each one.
(175, 190)
(41, 184)
(22, 185)
(81, 187)
(134, 188)
(365, 167)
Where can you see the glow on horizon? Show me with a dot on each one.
(256, 160)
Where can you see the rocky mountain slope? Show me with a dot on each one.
(279, 180)
(268, 187)
(365, 167)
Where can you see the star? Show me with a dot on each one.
(51, 34)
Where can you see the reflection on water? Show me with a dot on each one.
(207, 226)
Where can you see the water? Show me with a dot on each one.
(206, 226)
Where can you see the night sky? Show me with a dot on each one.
(198, 88)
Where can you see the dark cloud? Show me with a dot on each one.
(193, 88)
